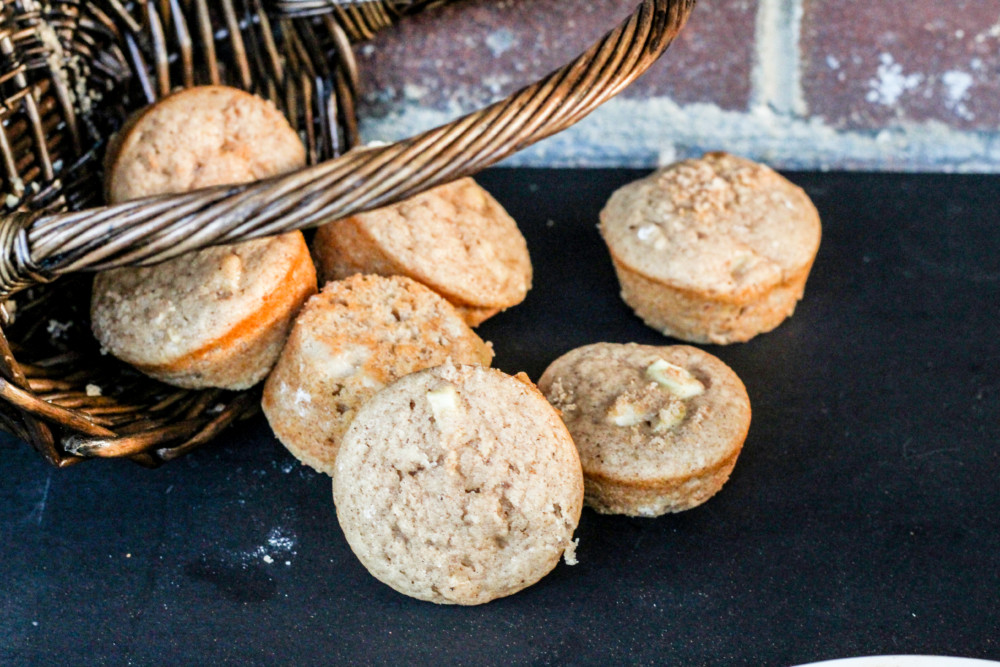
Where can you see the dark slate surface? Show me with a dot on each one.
(863, 516)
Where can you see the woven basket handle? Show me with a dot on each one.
(38, 247)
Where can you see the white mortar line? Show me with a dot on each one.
(646, 133)
(776, 78)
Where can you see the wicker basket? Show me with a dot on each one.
(71, 72)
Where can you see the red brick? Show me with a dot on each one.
(711, 59)
(473, 52)
(872, 63)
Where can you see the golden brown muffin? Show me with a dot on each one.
(353, 338)
(712, 250)
(455, 238)
(458, 485)
(200, 137)
(213, 318)
(658, 428)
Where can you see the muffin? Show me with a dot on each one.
(458, 485)
(455, 238)
(658, 428)
(219, 316)
(212, 318)
(712, 250)
(353, 338)
(200, 137)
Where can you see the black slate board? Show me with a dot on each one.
(863, 516)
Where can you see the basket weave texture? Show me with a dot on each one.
(72, 72)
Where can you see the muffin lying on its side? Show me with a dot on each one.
(350, 340)
(658, 428)
(458, 485)
(455, 238)
(219, 316)
(712, 250)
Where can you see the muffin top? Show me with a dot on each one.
(155, 315)
(719, 224)
(644, 414)
(200, 137)
(350, 340)
(455, 238)
(458, 484)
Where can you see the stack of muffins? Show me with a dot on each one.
(454, 482)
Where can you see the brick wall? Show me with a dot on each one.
(813, 84)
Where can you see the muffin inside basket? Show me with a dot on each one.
(70, 76)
